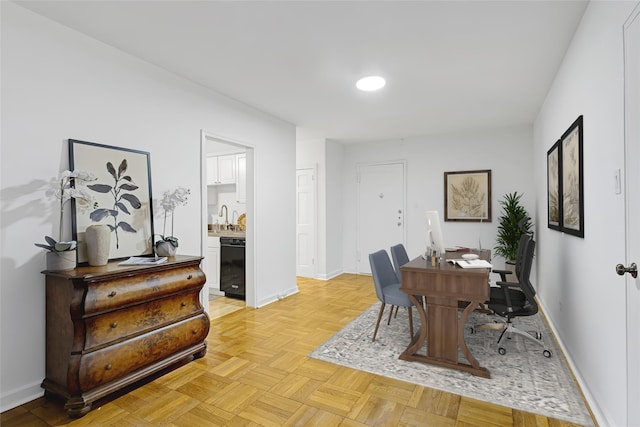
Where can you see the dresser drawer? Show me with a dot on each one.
(138, 319)
(102, 366)
(116, 293)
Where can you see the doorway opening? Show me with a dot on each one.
(227, 203)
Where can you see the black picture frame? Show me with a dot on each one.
(123, 194)
(554, 187)
(467, 196)
(572, 179)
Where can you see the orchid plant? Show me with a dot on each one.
(169, 202)
(68, 185)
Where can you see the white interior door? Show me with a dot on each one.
(381, 206)
(305, 222)
(632, 194)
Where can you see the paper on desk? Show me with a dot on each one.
(471, 263)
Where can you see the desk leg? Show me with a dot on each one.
(418, 339)
(461, 342)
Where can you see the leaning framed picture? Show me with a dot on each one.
(467, 196)
(122, 194)
(554, 189)
(572, 180)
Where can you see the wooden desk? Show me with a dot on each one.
(445, 287)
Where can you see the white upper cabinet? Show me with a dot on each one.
(221, 170)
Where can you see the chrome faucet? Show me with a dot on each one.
(226, 215)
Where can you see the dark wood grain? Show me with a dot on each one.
(111, 326)
(446, 287)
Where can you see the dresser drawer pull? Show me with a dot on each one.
(108, 367)
(189, 277)
(183, 304)
(112, 293)
(114, 325)
(195, 331)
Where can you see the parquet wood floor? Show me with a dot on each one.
(256, 373)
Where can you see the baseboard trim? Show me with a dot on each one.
(20, 396)
(592, 404)
(273, 298)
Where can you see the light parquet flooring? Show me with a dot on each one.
(256, 373)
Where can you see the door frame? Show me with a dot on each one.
(250, 250)
(631, 152)
(360, 165)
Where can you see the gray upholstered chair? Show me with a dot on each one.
(388, 288)
(400, 258)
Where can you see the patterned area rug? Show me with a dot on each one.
(521, 379)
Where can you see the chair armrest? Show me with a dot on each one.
(505, 286)
(502, 273)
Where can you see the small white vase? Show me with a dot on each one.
(60, 261)
(164, 248)
(98, 239)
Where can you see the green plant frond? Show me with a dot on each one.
(508, 230)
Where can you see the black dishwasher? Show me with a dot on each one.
(232, 276)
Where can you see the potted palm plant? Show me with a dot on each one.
(509, 230)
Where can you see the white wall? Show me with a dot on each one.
(582, 296)
(336, 221)
(507, 152)
(58, 84)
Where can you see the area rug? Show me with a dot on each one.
(521, 379)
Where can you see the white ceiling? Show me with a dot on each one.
(449, 65)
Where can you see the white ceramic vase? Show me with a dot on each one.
(164, 248)
(98, 239)
(60, 261)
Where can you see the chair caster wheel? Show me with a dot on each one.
(472, 330)
(539, 335)
(546, 353)
(502, 351)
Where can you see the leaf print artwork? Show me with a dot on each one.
(123, 200)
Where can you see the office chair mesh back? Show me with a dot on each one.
(513, 302)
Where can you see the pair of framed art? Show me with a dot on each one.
(565, 182)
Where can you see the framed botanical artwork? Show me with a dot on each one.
(467, 196)
(122, 194)
(572, 180)
(554, 189)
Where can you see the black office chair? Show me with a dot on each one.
(518, 261)
(388, 288)
(515, 299)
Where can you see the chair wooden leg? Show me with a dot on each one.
(390, 314)
(375, 332)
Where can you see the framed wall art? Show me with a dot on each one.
(554, 207)
(122, 192)
(565, 182)
(572, 182)
(467, 196)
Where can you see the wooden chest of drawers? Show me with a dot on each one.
(111, 326)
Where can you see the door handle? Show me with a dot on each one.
(632, 269)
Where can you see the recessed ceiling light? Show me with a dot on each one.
(370, 83)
